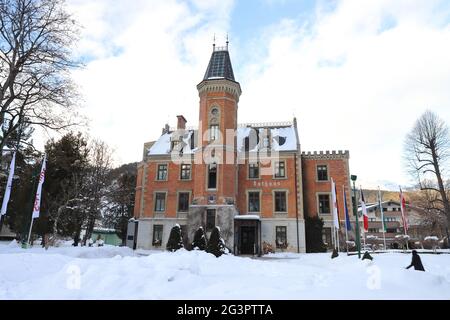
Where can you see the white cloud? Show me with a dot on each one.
(355, 80)
(145, 61)
(356, 76)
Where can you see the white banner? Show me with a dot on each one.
(37, 201)
(8, 185)
(334, 204)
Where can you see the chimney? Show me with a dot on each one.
(166, 129)
(181, 122)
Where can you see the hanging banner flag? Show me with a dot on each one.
(380, 204)
(403, 209)
(364, 211)
(37, 201)
(348, 225)
(335, 205)
(8, 185)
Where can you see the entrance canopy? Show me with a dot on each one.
(247, 234)
(247, 217)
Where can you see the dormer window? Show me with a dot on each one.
(177, 143)
(265, 138)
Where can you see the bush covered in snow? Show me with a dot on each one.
(403, 241)
(199, 242)
(268, 248)
(351, 245)
(216, 245)
(175, 241)
(431, 242)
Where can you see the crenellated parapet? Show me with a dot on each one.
(320, 155)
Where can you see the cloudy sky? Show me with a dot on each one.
(355, 74)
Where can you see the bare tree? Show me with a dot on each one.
(427, 152)
(36, 37)
(431, 219)
(121, 197)
(97, 183)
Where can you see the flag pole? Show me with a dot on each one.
(364, 239)
(333, 230)
(31, 205)
(345, 211)
(333, 238)
(8, 188)
(337, 213)
(403, 209)
(346, 238)
(355, 213)
(29, 233)
(383, 225)
(11, 173)
(337, 236)
(37, 199)
(337, 220)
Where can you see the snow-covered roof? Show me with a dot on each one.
(283, 138)
(370, 206)
(247, 217)
(163, 144)
(102, 229)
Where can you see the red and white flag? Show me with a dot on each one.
(364, 211)
(403, 209)
(37, 200)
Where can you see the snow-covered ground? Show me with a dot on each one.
(120, 273)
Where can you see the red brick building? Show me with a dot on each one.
(251, 180)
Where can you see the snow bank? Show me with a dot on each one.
(119, 273)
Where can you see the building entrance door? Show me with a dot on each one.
(248, 237)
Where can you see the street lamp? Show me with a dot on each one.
(355, 213)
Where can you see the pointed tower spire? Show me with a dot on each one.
(227, 41)
(219, 66)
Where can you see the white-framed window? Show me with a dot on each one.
(213, 132)
(324, 203)
(254, 203)
(280, 201)
(160, 201)
(161, 174)
(280, 169)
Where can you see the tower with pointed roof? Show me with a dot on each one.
(215, 182)
(219, 96)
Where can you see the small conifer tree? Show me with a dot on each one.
(175, 241)
(199, 240)
(216, 245)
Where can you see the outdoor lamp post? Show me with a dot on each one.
(355, 213)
